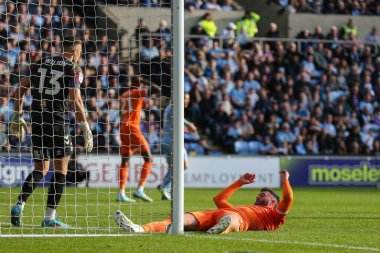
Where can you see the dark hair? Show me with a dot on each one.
(266, 189)
(69, 42)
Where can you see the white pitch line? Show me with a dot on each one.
(286, 242)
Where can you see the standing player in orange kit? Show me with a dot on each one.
(132, 140)
(268, 212)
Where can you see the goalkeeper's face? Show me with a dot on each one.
(265, 199)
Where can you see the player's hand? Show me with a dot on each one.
(284, 174)
(18, 126)
(87, 134)
(247, 178)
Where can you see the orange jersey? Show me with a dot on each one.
(131, 104)
(253, 217)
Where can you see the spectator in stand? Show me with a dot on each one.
(199, 32)
(208, 25)
(193, 5)
(249, 21)
(373, 37)
(149, 52)
(268, 148)
(305, 7)
(273, 31)
(228, 5)
(349, 28)
(333, 35)
(228, 33)
(164, 31)
(286, 135)
(142, 33)
(213, 5)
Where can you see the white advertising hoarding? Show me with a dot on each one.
(203, 172)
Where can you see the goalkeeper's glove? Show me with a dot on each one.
(18, 126)
(86, 131)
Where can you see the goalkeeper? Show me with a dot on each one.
(55, 86)
(268, 212)
(165, 187)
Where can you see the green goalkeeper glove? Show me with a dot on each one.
(18, 126)
(87, 134)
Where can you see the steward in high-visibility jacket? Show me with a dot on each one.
(250, 22)
(208, 25)
(349, 28)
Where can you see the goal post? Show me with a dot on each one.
(178, 115)
(107, 63)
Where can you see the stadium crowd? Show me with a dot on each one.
(287, 98)
(247, 97)
(337, 7)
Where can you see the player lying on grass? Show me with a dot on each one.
(268, 212)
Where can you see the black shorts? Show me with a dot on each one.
(51, 141)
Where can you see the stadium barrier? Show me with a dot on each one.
(217, 172)
(332, 171)
(204, 172)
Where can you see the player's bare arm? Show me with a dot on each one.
(287, 194)
(18, 125)
(221, 200)
(77, 102)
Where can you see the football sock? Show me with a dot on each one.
(57, 185)
(49, 213)
(157, 226)
(31, 183)
(145, 171)
(123, 176)
(167, 180)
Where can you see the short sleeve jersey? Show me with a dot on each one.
(50, 80)
(131, 104)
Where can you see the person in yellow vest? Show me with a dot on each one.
(348, 28)
(208, 25)
(249, 21)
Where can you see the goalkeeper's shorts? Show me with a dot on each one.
(51, 141)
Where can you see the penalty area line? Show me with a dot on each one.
(315, 244)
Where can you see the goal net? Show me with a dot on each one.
(124, 43)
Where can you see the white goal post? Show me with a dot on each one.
(178, 115)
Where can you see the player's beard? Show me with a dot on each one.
(262, 201)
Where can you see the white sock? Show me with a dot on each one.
(49, 214)
(122, 192)
(140, 188)
(21, 204)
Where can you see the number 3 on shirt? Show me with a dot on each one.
(54, 81)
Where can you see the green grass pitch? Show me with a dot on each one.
(321, 220)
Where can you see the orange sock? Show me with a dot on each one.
(145, 171)
(158, 226)
(123, 176)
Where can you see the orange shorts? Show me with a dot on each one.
(207, 219)
(132, 140)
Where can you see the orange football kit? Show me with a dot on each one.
(132, 139)
(252, 217)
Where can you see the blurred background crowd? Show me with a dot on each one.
(317, 93)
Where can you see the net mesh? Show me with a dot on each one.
(121, 40)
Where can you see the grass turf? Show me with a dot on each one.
(321, 220)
